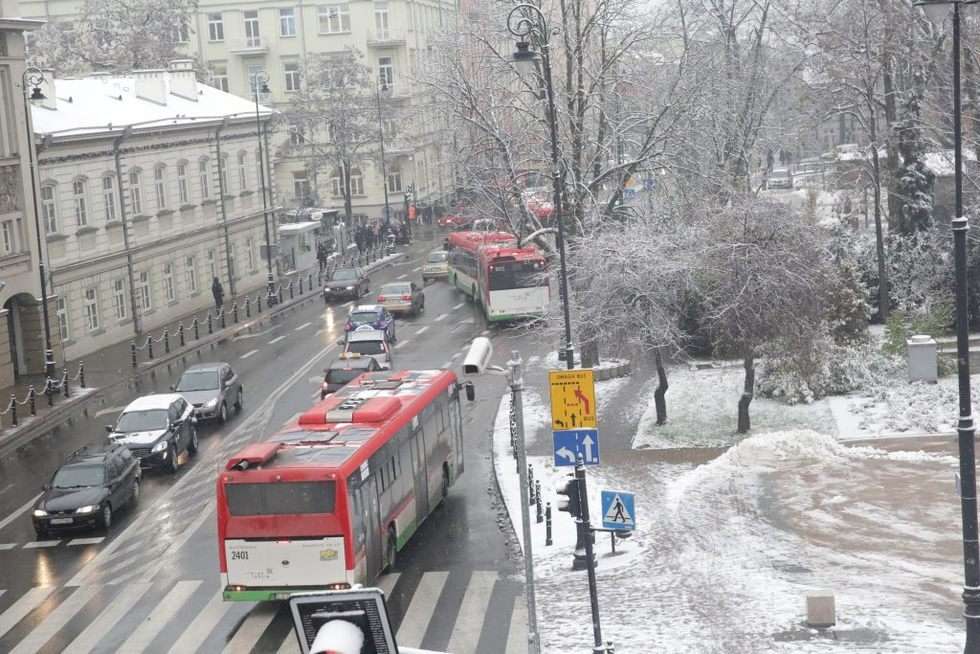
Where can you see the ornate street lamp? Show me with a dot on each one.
(260, 84)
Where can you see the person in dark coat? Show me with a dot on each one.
(218, 291)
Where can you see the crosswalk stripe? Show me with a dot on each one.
(251, 629)
(472, 610)
(420, 610)
(289, 645)
(94, 634)
(40, 543)
(24, 605)
(161, 614)
(517, 635)
(202, 625)
(7, 546)
(54, 621)
(95, 540)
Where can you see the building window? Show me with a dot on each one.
(136, 191)
(109, 197)
(212, 264)
(219, 77)
(62, 312)
(390, 127)
(160, 185)
(334, 19)
(183, 33)
(287, 22)
(49, 208)
(301, 186)
(386, 72)
(143, 298)
(204, 171)
(182, 183)
(216, 28)
(252, 38)
(80, 202)
(296, 136)
(223, 173)
(381, 31)
(91, 297)
(243, 171)
(169, 289)
(291, 71)
(250, 252)
(119, 303)
(254, 72)
(356, 182)
(7, 232)
(394, 181)
(336, 187)
(190, 274)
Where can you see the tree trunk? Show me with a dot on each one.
(659, 399)
(748, 391)
(589, 352)
(348, 204)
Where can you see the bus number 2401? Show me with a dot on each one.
(239, 555)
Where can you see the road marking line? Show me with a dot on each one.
(248, 354)
(94, 634)
(95, 540)
(111, 409)
(402, 344)
(517, 634)
(27, 603)
(388, 581)
(289, 645)
(441, 317)
(7, 546)
(276, 339)
(251, 628)
(158, 618)
(202, 625)
(303, 326)
(484, 332)
(189, 531)
(40, 543)
(54, 621)
(458, 306)
(472, 611)
(402, 276)
(422, 330)
(16, 514)
(456, 356)
(420, 610)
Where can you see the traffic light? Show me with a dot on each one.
(571, 503)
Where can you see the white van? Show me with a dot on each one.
(368, 341)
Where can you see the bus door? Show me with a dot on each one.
(419, 469)
(368, 499)
(456, 427)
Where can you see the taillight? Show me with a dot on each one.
(381, 298)
(407, 297)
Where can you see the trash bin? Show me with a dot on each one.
(923, 365)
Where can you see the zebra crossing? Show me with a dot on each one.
(460, 610)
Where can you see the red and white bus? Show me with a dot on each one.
(509, 282)
(330, 500)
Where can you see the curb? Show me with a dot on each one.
(611, 372)
(35, 427)
(496, 473)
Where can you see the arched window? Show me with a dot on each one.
(160, 185)
(79, 193)
(49, 207)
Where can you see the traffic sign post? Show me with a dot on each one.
(618, 510)
(570, 443)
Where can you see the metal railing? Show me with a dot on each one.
(52, 387)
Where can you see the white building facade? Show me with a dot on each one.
(149, 189)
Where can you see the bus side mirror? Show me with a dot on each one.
(470, 391)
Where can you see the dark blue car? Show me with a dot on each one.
(374, 315)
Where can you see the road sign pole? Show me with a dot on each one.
(516, 392)
(585, 529)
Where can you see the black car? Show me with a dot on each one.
(157, 429)
(346, 284)
(86, 490)
(345, 370)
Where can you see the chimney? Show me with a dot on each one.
(50, 101)
(151, 86)
(183, 81)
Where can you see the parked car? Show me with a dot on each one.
(211, 388)
(402, 297)
(369, 342)
(157, 429)
(87, 489)
(371, 314)
(344, 370)
(346, 284)
(780, 178)
(436, 265)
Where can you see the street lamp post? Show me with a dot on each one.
(33, 77)
(381, 136)
(260, 83)
(937, 11)
(526, 21)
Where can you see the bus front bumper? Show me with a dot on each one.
(234, 593)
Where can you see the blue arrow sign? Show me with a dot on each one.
(570, 442)
(618, 510)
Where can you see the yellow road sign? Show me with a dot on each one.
(572, 399)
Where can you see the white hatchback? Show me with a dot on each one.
(368, 341)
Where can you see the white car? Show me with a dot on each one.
(368, 341)
(436, 266)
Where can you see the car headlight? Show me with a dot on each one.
(90, 508)
(212, 403)
(40, 513)
(160, 447)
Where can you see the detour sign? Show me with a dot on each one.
(572, 399)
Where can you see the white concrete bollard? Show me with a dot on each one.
(820, 610)
(923, 364)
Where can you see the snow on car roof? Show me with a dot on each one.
(151, 402)
(365, 308)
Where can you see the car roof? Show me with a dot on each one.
(206, 366)
(351, 363)
(150, 402)
(364, 308)
(92, 454)
(370, 334)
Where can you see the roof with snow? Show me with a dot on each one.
(149, 99)
(940, 162)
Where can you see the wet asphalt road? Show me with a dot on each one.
(151, 584)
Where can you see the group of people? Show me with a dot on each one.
(368, 237)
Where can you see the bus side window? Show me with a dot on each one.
(356, 517)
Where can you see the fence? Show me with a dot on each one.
(52, 388)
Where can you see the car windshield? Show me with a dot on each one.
(142, 420)
(342, 375)
(361, 317)
(396, 289)
(365, 347)
(437, 257)
(344, 275)
(80, 474)
(198, 380)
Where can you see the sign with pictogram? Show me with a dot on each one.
(569, 443)
(572, 399)
(618, 510)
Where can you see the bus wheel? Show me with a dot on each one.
(391, 549)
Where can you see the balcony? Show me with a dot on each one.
(250, 45)
(386, 39)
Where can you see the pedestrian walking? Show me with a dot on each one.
(218, 291)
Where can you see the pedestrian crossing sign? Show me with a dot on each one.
(618, 510)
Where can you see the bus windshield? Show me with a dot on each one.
(516, 274)
(281, 498)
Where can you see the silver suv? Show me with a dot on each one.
(213, 389)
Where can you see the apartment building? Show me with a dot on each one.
(149, 188)
(236, 40)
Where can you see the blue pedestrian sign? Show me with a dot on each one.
(618, 510)
(570, 442)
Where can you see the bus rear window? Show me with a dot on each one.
(280, 498)
(517, 274)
